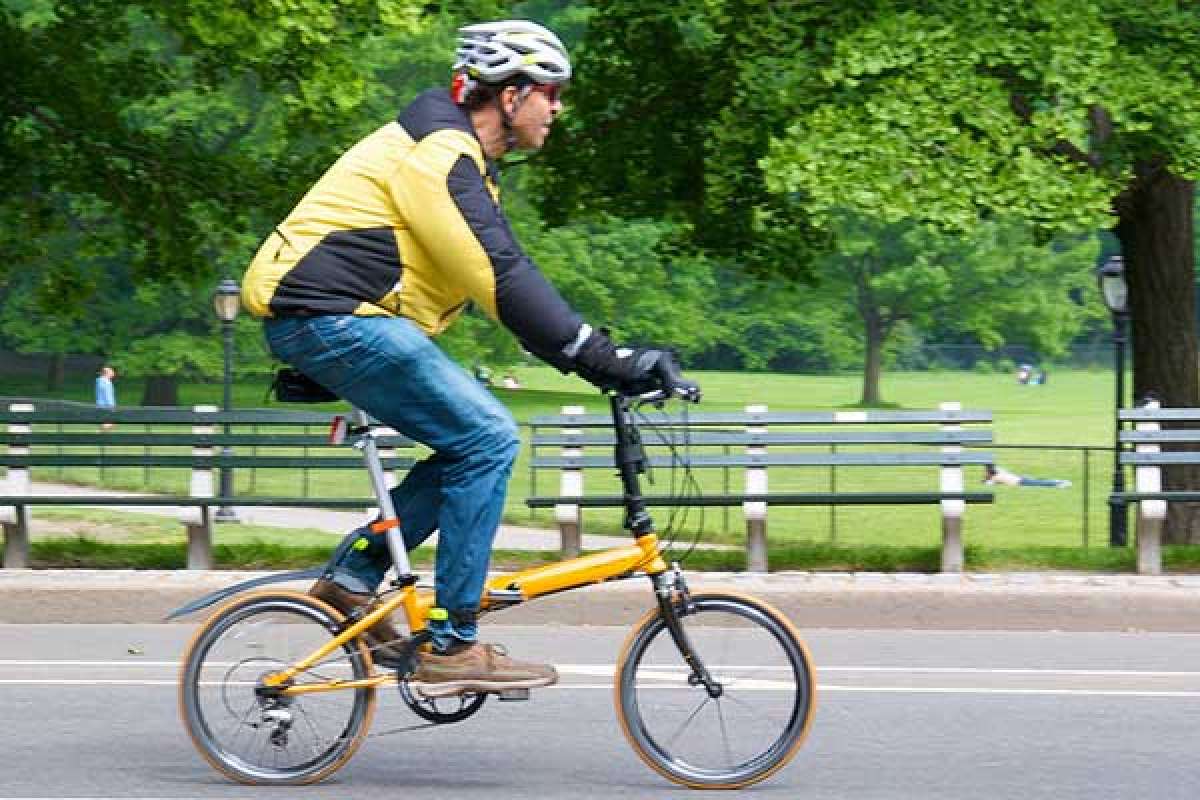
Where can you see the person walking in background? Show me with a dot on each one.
(106, 393)
(998, 475)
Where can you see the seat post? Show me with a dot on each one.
(387, 511)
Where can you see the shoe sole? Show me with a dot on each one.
(451, 688)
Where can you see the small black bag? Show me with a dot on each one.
(293, 386)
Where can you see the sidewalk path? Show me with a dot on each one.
(1016, 601)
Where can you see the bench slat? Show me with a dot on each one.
(774, 499)
(740, 438)
(1179, 496)
(777, 460)
(166, 416)
(1161, 459)
(184, 500)
(770, 418)
(1160, 415)
(1175, 435)
(184, 439)
(192, 461)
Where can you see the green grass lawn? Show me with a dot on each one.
(1074, 408)
(98, 539)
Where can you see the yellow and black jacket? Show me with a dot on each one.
(408, 223)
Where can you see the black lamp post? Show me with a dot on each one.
(227, 302)
(1111, 277)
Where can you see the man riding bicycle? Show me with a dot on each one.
(380, 256)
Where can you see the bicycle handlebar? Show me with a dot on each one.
(671, 382)
(688, 393)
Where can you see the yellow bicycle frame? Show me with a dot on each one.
(560, 576)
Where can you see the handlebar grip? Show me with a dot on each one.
(672, 380)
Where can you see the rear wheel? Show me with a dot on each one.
(261, 737)
(747, 723)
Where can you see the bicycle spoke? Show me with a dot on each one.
(725, 735)
(754, 710)
(686, 722)
(760, 669)
(317, 738)
(300, 738)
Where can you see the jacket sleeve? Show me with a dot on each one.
(457, 221)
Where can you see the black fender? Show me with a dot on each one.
(330, 570)
(230, 591)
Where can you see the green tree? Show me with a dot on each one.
(652, 130)
(72, 252)
(192, 121)
(756, 121)
(148, 147)
(887, 276)
(1067, 116)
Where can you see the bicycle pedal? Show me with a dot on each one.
(513, 695)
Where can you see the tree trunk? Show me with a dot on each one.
(1156, 234)
(56, 372)
(873, 365)
(161, 390)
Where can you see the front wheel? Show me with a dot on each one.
(746, 723)
(259, 737)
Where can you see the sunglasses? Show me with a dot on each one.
(552, 91)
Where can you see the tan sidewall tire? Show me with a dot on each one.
(647, 619)
(230, 607)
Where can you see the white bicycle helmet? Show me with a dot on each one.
(495, 52)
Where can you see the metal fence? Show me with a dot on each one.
(1093, 466)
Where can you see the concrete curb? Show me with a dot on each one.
(1017, 601)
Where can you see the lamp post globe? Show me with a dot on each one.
(1113, 288)
(1115, 291)
(227, 303)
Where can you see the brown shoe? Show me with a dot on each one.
(479, 668)
(382, 637)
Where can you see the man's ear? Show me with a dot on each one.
(508, 99)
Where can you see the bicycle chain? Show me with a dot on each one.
(406, 729)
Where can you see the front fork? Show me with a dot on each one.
(674, 603)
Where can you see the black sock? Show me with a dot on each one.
(454, 648)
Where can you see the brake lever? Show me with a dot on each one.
(656, 398)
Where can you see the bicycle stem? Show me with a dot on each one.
(630, 460)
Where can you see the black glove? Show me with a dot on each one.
(670, 379)
(631, 371)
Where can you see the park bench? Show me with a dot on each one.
(895, 443)
(1148, 448)
(192, 443)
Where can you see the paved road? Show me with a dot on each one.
(89, 710)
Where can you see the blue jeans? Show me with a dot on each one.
(389, 368)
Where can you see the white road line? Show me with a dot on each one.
(987, 690)
(608, 669)
(12, 663)
(1017, 671)
(82, 682)
(829, 688)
